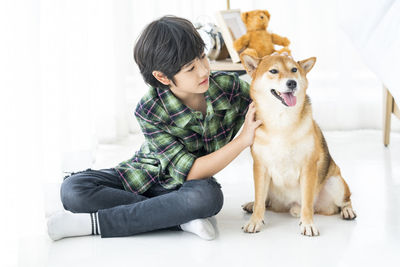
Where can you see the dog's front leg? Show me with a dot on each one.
(308, 183)
(261, 186)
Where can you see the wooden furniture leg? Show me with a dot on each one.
(396, 109)
(387, 113)
(389, 106)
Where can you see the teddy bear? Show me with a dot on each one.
(258, 42)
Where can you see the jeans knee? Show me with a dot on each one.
(71, 197)
(206, 199)
(218, 196)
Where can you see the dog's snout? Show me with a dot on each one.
(291, 84)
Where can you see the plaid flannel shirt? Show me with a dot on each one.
(176, 135)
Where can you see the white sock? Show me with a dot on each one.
(201, 227)
(66, 224)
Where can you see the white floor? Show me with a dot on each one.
(373, 239)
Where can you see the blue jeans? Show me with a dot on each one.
(122, 213)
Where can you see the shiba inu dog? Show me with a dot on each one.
(293, 170)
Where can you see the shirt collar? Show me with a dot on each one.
(179, 113)
(218, 96)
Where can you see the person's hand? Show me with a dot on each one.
(249, 127)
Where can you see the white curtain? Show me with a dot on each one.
(68, 79)
(83, 75)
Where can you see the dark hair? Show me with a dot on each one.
(166, 45)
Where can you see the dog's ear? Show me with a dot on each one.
(307, 64)
(250, 62)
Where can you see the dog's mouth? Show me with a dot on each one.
(288, 99)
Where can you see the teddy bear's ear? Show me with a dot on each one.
(267, 14)
(250, 62)
(244, 16)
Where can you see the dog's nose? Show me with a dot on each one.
(291, 84)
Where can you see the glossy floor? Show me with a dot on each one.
(373, 239)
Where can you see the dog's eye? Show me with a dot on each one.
(294, 69)
(273, 71)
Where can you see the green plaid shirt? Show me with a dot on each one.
(176, 135)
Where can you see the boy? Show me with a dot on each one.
(188, 118)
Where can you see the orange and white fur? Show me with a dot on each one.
(293, 170)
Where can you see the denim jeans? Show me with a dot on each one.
(122, 213)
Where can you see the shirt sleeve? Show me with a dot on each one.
(243, 95)
(173, 157)
(244, 89)
(240, 101)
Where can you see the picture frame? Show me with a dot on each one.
(232, 28)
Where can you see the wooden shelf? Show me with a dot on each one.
(226, 65)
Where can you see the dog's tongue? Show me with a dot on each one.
(289, 99)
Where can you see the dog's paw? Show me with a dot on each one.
(308, 229)
(248, 207)
(348, 213)
(295, 210)
(253, 226)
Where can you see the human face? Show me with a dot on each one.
(192, 78)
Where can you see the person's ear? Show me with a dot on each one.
(161, 77)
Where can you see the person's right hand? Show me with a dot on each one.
(250, 125)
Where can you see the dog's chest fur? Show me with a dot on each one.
(284, 155)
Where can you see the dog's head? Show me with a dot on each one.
(278, 79)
